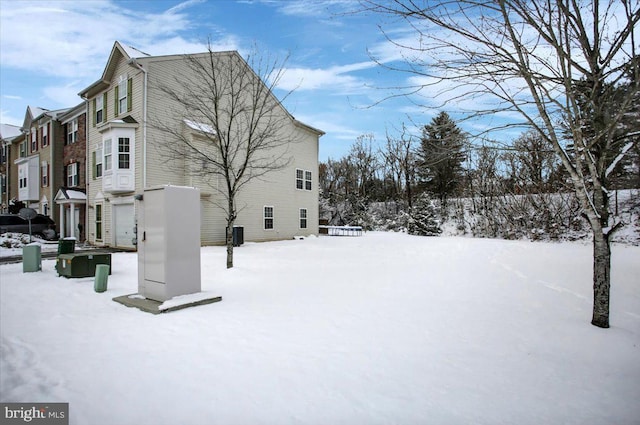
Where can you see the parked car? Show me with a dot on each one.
(41, 226)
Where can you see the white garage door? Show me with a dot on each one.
(123, 225)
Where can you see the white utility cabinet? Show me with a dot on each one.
(168, 232)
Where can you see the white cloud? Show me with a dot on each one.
(12, 97)
(73, 39)
(66, 95)
(335, 78)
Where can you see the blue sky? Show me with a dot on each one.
(51, 50)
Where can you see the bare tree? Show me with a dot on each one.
(240, 125)
(529, 57)
(400, 158)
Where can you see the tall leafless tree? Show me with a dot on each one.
(399, 155)
(529, 56)
(240, 125)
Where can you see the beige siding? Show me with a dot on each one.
(276, 189)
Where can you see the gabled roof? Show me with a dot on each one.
(66, 195)
(34, 113)
(72, 112)
(9, 132)
(117, 52)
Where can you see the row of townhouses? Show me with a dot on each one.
(84, 166)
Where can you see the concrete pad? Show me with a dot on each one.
(153, 307)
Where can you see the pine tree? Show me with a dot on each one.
(423, 219)
(440, 157)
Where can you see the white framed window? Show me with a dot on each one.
(303, 218)
(44, 171)
(303, 179)
(98, 222)
(99, 162)
(108, 159)
(124, 153)
(44, 130)
(72, 131)
(99, 108)
(122, 96)
(72, 174)
(307, 180)
(268, 218)
(299, 179)
(23, 149)
(34, 140)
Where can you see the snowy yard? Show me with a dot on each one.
(380, 329)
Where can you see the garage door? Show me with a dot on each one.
(123, 225)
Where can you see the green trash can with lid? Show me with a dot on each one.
(67, 246)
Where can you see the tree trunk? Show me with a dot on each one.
(601, 279)
(230, 245)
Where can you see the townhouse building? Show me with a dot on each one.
(8, 134)
(71, 195)
(124, 158)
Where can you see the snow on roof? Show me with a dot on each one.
(8, 131)
(75, 194)
(133, 52)
(205, 128)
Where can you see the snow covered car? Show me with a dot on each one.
(41, 226)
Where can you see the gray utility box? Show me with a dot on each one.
(168, 235)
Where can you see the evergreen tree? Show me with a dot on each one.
(423, 219)
(440, 157)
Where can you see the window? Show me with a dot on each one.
(98, 163)
(299, 179)
(72, 131)
(122, 96)
(3, 153)
(34, 140)
(106, 164)
(307, 180)
(44, 130)
(72, 174)
(23, 149)
(303, 218)
(123, 153)
(268, 218)
(45, 208)
(99, 108)
(44, 171)
(303, 179)
(98, 222)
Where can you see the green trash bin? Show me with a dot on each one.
(31, 259)
(66, 246)
(102, 276)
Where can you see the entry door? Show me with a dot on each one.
(67, 223)
(123, 222)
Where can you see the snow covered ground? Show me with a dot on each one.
(379, 329)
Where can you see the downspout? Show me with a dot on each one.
(135, 63)
(87, 170)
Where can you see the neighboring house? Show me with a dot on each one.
(8, 133)
(39, 160)
(71, 194)
(124, 160)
